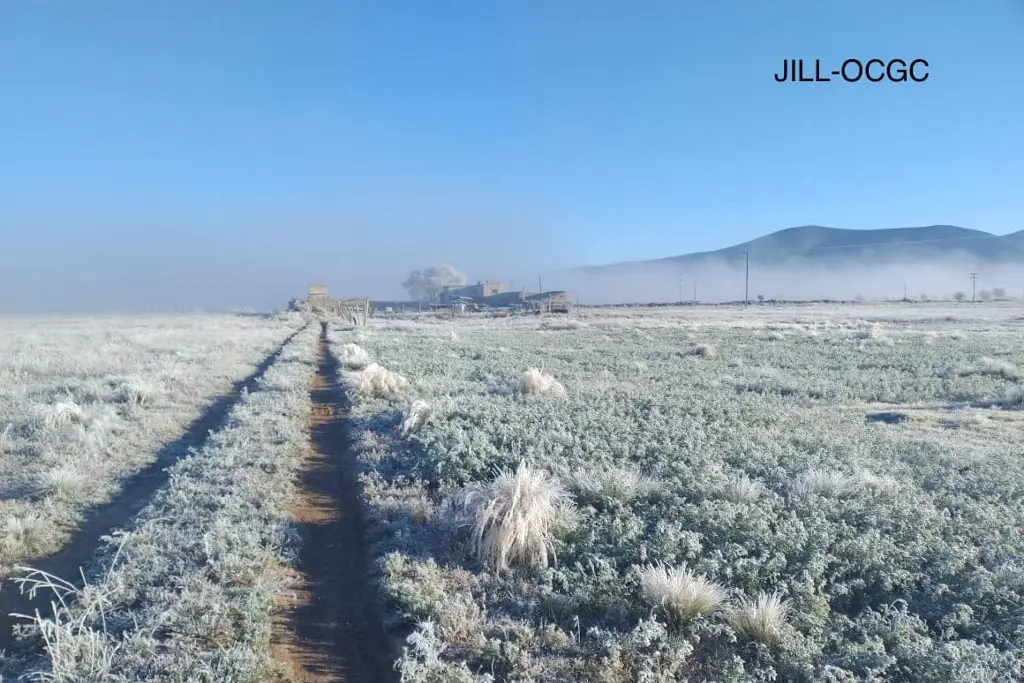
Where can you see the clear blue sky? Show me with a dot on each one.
(275, 141)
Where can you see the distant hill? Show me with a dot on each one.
(814, 245)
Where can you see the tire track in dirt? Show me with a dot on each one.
(102, 520)
(331, 629)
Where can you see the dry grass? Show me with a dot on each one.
(354, 357)
(537, 382)
(680, 592)
(415, 417)
(563, 324)
(762, 618)
(23, 534)
(63, 481)
(993, 368)
(824, 483)
(512, 517)
(742, 489)
(704, 351)
(374, 380)
(623, 484)
(63, 414)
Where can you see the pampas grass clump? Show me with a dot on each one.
(624, 484)
(824, 483)
(704, 350)
(679, 591)
(374, 380)
(65, 413)
(512, 517)
(761, 619)
(62, 482)
(415, 417)
(354, 357)
(537, 382)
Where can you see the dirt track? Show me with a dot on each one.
(118, 512)
(331, 629)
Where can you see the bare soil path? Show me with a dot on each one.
(118, 512)
(331, 629)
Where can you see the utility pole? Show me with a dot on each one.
(746, 281)
(680, 289)
(904, 291)
(974, 285)
(540, 286)
(695, 290)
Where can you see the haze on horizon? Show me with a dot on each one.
(190, 155)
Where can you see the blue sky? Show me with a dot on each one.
(262, 144)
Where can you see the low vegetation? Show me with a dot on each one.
(86, 402)
(187, 591)
(714, 496)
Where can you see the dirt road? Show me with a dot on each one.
(331, 629)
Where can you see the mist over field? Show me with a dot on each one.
(259, 262)
(134, 265)
(719, 281)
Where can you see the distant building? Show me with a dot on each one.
(492, 295)
(552, 302)
(318, 302)
(480, 290)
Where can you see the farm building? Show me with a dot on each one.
(318, 302)
(317, 297)
(477, 292)
(492, 295)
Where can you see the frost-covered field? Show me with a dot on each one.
(84, 402)
(188, 591)
(797, 494)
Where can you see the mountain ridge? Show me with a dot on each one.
(811, 245)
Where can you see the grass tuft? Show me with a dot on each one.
(416, 416)
(513, 516)
(537, 382)
(761, 619)
(680, 592)
(375, 380)
(354, 357)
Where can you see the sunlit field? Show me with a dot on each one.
(804, 493)
(186, 589)
(87, 401)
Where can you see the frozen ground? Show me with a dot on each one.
(801, 493)
(87, 401)
(186, 591)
